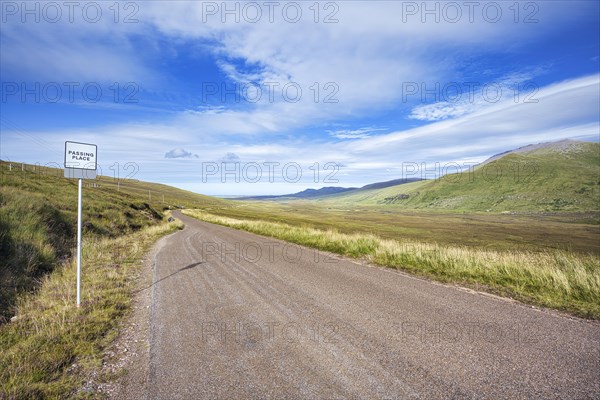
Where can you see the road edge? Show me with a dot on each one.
(127, 359)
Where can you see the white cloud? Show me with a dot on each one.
(230, 157)
(180, 153)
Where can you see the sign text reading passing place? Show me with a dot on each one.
(80, 155)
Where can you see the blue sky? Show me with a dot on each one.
(356, 90)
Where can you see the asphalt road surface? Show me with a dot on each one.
(239, 316)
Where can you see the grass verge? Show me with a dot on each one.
(556, 279)
(52, 347)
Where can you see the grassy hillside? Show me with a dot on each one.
(38, 217)
(557, 177)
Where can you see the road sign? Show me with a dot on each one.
(80, 163)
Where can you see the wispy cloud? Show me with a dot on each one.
(471, 97)
(441, 110)
(361, 133)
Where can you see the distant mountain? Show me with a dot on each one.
(324, 191)
(305, 194)
(329, 191)
(395, 182)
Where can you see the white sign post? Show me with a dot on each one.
(80, 163)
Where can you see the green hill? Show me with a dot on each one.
(560, 176)
(38, 217)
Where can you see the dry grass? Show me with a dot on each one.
(53, 346)
(553, 278)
